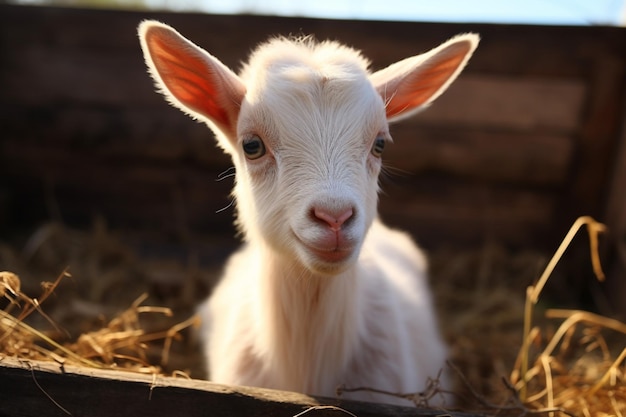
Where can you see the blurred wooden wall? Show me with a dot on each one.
(524, 142)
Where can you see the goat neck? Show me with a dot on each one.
(311, 321)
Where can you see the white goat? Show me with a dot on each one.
(322, 293)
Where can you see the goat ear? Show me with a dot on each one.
(413, 83)
(192, 79)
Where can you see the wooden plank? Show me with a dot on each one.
(158, 195)
(35, 388)
(438, 213)
(599, 135)
(501, 156)
(539, 50)
(616, 221)
(519, 103)
(179, 198)
(498, 157)
(616, 207)
(125, 136)
(515, 103)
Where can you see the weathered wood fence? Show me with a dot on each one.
(36, 388)
(530, 136)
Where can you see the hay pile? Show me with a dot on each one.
(503, 364)
(576, 371)
(99, 311)
(572, 363)
(122, 343)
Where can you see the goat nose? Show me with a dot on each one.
(334, 219)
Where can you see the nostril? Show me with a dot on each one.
(334, 219)
(345, 216)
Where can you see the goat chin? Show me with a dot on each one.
(321, 294)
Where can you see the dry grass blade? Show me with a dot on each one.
(124, 339)
(611, 373)
(9, 283)
(173, 332)
(574, 371)
(22, 331)
(549, 391)
(324, 408)
(121, 343)
(11, 290)
(532, 294)
(575, 316)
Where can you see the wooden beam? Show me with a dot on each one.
(36, 388)
(616, 222)
(516, 103)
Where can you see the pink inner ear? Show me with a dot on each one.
(194, 80)
(411, 84)
(418, 88)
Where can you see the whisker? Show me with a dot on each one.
(230, 172)
(389, 172)
(232, 202)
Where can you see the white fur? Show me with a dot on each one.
(288, 313)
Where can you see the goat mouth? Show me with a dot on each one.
(330, 256)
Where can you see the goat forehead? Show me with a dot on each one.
(323, 111)
(303, 67)
(305, 103)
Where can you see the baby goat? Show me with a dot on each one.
(322, 293)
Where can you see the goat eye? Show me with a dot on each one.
(253, 147)
(378, 147)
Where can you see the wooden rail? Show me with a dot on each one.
(36, 388)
